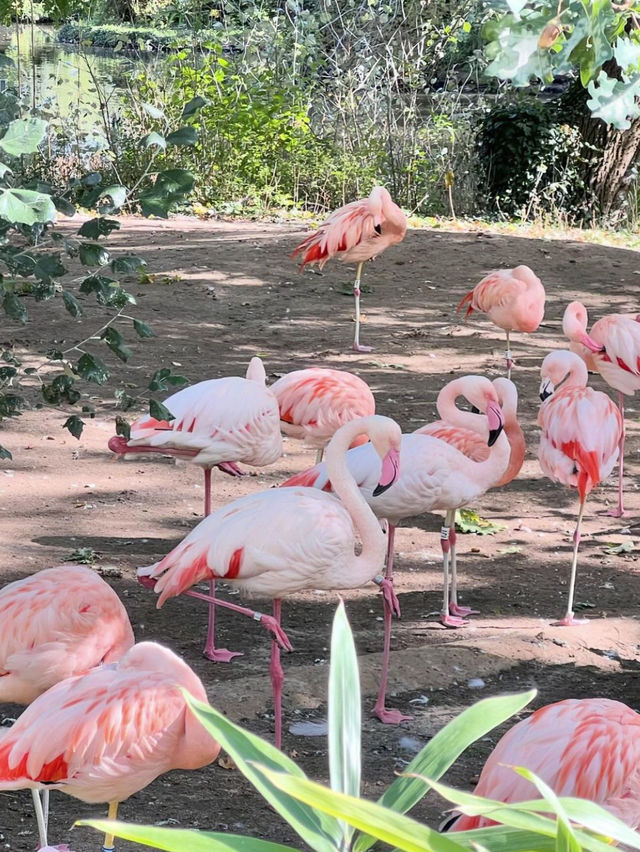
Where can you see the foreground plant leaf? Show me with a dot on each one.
(469, 521)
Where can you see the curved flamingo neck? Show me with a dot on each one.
(574, 322)
(371, 558)
(577, 375)
(449, 411)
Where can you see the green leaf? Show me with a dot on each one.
(183, 840)
(4, 453)
(193, 106)
(152, 139)
(71, 304)
(566, 840)
(24, 136)
(469, 521)
(26, 207)
(48, 266)
(61, 389)
(4, 169)
(615, 549)
(183, 136)
(160, 411)
(75, 425)
(116, 344)
(100, 227)
(320, 832)
(162, 380)
(112, 198)
(152, 110)
(63, 206)
(127, 264)
(171, 186)
(7, 373)
(444, 749)
(91, 368)
(142, 329)
(93, 254)
(14, 307)
(615, 101)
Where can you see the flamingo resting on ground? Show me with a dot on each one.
(104, 736)
(216, 423)
(587, 748)
(278, 542)
(314, 403)
(580, 437)
(513, 299)
(54, 624)
(612, 348)
(357, 232)
(434, 475)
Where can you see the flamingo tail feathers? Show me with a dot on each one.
(466, 299)
(589, 469)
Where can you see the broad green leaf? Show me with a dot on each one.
(63, 206)
(4, 453)
(71, 304)
(382, 823)
(24, 136)
(26, 207)
(142, 329)
(182, 840)
(118, 196)
(152, 110)
(14, 307)
(61, 389)
(4, 169)
(93, 254)
(193, 106)
(444, 749)
(153, 139)
(127, 264)
(183, 136)
(48, 266)
(92, 179)
(171, 186)
(91, 368)
(162, 380)
(75, 425)
(615, 101)
(7, 373)
(99, 227)
(160, 411)
(115, 342)
(469, 521)
(322, 833)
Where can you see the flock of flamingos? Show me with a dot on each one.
(106, 716)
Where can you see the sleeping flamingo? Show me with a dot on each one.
(285, 540)
(513, 299)
(216, 423)
(104, 736)
(434, 476)
(613, 349)
(580, 437)
(588, 748)
(314, 403)
(358, 232)
(54, 624)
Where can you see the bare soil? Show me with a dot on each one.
(224, 291)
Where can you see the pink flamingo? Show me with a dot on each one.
(104, 736)
(580, 437)
(314, 403)
(357, 232)
(216, 423)
(434, 476)
(613, 350)
(513, 299)
(587, 748)
(281, 541)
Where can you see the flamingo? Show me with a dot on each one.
(434, 476)
(612, 349)
(106, 735)
(359, 231)
(513, 299)
(278, 542)
(314, 403)
(216, 423)
(580, 437)
(588, 748)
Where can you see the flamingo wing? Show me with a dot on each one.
(466, 441)
(619, 364)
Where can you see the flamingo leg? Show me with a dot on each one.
(45, 807)
(357, 346)
(319, 455)
(569, 620)
(508, 358)
(446, 617)
(454, 607)
(40, 819)
(108, 845)
(388, 717)
(216, 655)
(277, 676)
(619, 512)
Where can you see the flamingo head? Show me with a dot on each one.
(386, 437)
(574, 325)
(483, 396)
(558, 367)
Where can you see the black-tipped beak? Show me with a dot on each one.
(545, 394)
(474, 410)
(380, 489)
(494, 434)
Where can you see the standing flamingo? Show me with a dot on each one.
(358, 232)
(316, 402)
(216, 424)
(587, 748)
(580, 437)
(613, 349)
(513, 299)
(285, 540)
(434, 475)
(104, 736)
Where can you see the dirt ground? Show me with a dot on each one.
(226, 291)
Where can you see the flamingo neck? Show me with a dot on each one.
(577, 374)
(454, 416)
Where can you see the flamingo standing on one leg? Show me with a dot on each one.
(580, 437)
(587, 748)
(106, 735)
(285, 540)
(216, 424)
(54, 624)
(316, 402)
(358, 232)
(513, 299)
(613, 349)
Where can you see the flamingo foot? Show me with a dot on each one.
(231, 468)
(389, 717)
(616, 513)
(358, 347)
(221, 655)
(452, 620)
(569, 621)
(462, 611)
(271, 624)
(390, 597)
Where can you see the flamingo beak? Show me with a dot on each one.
(591, 344)
(496, 422)
(546, 389)
(389, 473)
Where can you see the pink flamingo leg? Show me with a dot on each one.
(357, 346)
(277, 676)
(388, 717)
(454, 607)
(619, 512)
(508, 359)
(446, 617)
(569, 620)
